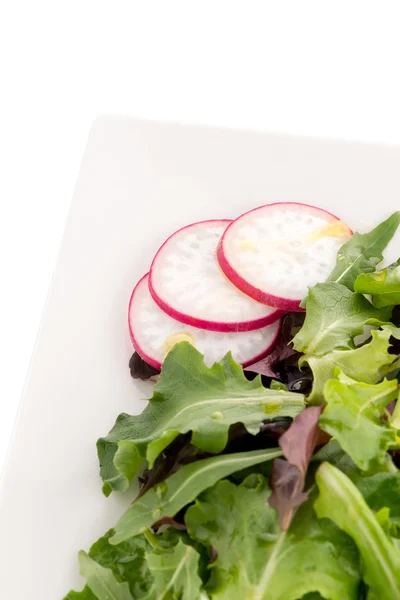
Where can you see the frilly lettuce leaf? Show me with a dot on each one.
(340, 501)
(369, 363)
(175, 573)
(189, 397)
(126, 562)
(137, 570)
(257, 560)
(334, 316)
(354, 416)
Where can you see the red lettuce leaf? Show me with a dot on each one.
(303, 437)
(140, 369)
(267, 366)
(169, 521)
(287, 491)
(282, 362)
(298, 444)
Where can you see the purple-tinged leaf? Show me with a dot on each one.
(298, 444)
(140, 369)
(287, 484)
(302, 438)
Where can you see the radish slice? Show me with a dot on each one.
(275, 252)
(153, 334)
(188, 284)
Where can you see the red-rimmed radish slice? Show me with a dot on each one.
(153, 334)
(188, 284)
(275, 252)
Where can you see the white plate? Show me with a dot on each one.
(138, 183)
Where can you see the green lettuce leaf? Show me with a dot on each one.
(85, 594)
(175, 573)
(334, 316)
(382, 491)
(189, 397)
(383, 286)
(169, 497)
(354, 416)
(395, 419)
(340, 501)
(101, 581)
(257, 560)
(126, 561)
(168, 567)
(368, 363)
(363, 252)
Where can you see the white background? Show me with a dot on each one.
(309, 67)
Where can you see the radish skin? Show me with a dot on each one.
(187, 283)
(151, 331)
(275, 269)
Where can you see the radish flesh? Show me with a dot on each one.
(153, 334)
(275, 252)
(188, 284)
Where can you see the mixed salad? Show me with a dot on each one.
(267, 459)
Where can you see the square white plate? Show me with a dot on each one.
(138, 183)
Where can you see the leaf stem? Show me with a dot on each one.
(152, 538)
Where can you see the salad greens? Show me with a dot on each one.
(381, 557)
(288, 476)
(363, 252)
(126, 563)
(383, 490)
(169, 497)
(249, 491)
(354, 415)
(334, 316)
(257, 560)
(101, 581)
(383, 286)
(175, 573)
(369, 363)
(189, 397)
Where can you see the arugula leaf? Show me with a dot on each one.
(334, 316)
(256, 560)
(383, 286)
(126, 561)
(363, 252)
(353, 415)
(189, 397)
(170, 496)
(368, 363)
(175, 573)
(340, 501)
(102, 581)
